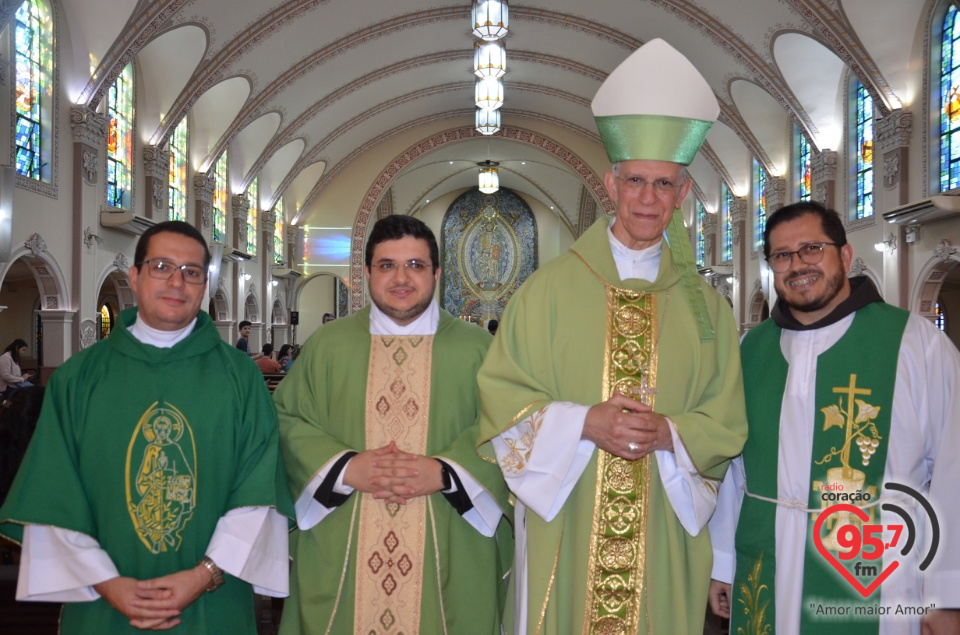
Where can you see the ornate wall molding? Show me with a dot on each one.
(89, 127)
(893, 131)
(122, 263)
(156, 162)
(824, 166)
(944, 250)
(36, 244)
(738, 215)
(203, 186)
(88, 334)
(776, 193)
(891, 171)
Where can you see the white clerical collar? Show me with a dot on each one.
(146, 334)
(425, 324)
(635, 263)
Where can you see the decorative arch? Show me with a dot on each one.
(251, 305)
(54, 292)
(945, 259)
(860, 268)
(113, 281)
(219, 307)
(757, 308)
(278, 314)
(381, 184)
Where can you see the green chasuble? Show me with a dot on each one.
(322, 406)
(557, 341)
(145, 449)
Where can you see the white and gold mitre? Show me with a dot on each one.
(654, 106)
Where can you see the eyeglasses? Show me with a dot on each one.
(635, 184)
(411, 266)
(810, 254)
(161, 269)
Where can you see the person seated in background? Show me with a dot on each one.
(266, 363)
(12, 378)
(294, 354)
(284, 355)
(327, 318)
(492, 326)
(244, 342)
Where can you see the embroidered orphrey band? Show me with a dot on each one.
(390, 542)
(615, 571)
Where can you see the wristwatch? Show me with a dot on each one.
(215, 571)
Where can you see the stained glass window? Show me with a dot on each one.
(253, 196)
(950, 101)
(120, 139)
(106, 321)
(760, 201)
(802, 165)
(700, 213)
(33, 36)
(178, 172)
(939, 317)
(278, 233)
(726, 203)
(864, 151)
(220, 200)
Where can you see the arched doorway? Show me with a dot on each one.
(937, 292)
(318, 294)
(114, 296)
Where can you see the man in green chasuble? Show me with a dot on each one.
(155, 469)
(403, 526)
(612, 395)
(845, 394)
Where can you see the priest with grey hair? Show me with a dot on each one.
(612, 396)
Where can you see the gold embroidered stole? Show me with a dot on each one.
(391, 537)
(617, 549)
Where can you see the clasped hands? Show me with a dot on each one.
(627, 428)
(155, 604)
(392, 475)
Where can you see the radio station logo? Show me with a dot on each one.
(848, 541)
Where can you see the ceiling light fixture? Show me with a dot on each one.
(489, 93)
(489, 180)
(490, 19)
(489, 58)
(488, 121)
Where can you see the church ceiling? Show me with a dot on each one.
(296, 89)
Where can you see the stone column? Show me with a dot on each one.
(710, 239)
(824, 169)
(294, 239)
(265, 249)
(776, 193)
(893, 142)
(156, 165)
(203, 195)
(89, 137)
(741, 247)
(238, 208)
(58, 340)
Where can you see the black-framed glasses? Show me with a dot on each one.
(810, 254)
(411, 266)
(161, 269)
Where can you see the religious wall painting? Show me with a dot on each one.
(489, 247)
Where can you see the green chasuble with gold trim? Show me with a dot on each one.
(144, 449)
(324, 409)
(616, 555)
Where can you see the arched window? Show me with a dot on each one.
(802, 165)
(760, 204)
(940, 317)
(700, 212)
(950, 101)
(33, 37)
(120, 139)
(278, 233)
(253, 196)
(726, 205)
(220, 200)
(106, 321)
(863, 150)
(178, 172)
